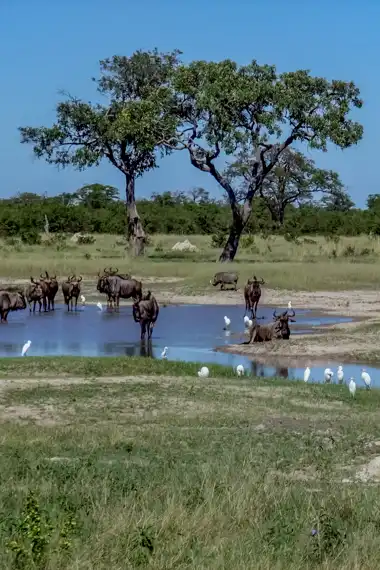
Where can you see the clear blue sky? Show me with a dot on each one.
(50, 45)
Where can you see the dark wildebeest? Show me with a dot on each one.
(252, 294)
(279, 329)
(45, 289)
(52, 289)
(118, 288)
(225, 278)
(146, 313)
(11, 301)
(33, 294)
(103, 286)
(71, 291)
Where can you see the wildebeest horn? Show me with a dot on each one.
(41, 276)
(47, 274)
(54, 277)
(80, 278)
(32, 279)
(262, 281)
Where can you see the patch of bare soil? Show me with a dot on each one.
(41, 415)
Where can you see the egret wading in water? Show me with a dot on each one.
(306, 374)
(164, 352)
(352, 387)
(289, 305)
(203, 372)
(100, 306)
(83, 299)
(26, 347)
(328, 375)
(240, 370)
(246, 320)
(227, 323)
(340, 374)
(366, 379)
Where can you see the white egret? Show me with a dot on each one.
(26, 347)
(240, 370)
(306, 374)
(328, 374)
(100, 306)
(83, 299)
(246, 320)
(352, 387)
(289, 305)
(340, 374)
(366, 379)
(227, 322)
(164, 352)
(203, 372)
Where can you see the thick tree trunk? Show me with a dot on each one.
(238, 223)
(135, 231)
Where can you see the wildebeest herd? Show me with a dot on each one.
(145, 307)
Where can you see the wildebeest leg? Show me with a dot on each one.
(150, 330)
(143, 329)
(40, 305)
(76, 302)
(5, 315)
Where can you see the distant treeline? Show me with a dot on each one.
(98, 209)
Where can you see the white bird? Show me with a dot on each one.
(26, 347)
(100, 306)
(203, 372)
(240, 370)
(306, 374)
(246, 320)
(83, 299)
(366, 379)
(289, 305)
(227, 321)
(352, 387)
(340, 374)
(328, 374)
(164, 352)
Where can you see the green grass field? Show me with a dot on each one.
(175, 472)
(324, 265)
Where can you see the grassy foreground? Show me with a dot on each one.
(174, 472)
(308, 264)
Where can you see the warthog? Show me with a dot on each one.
(71, 291)
(145, 312)
(279, 329)
(11, 301)
(252, 294)
(103, 286)
(52, 289)
(118, 288)
(224, 278)
(33, 294)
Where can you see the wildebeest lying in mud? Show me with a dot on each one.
(252, 294)
(225, 278)
(277, 330)
(71, 291)
(146, 313)
(11, 301)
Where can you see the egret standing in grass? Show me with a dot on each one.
(164, 353)
(26, 347)
(328, 375)
(203, 372)
(240, 370)
(306, 374)
(352, 387)
(227, 323)
(340, 374)
(366, 379)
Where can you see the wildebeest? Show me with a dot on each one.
(252, 294)
(11, 301)
(103, 286)
(71, 291)
(45, 289)
(33, 294)
(118, 288)
(145, 312)
(52, 289)
(279, 329)
(225, 278)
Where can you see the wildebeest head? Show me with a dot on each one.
(19, 302)
(49, 280)
(283, 322)
(75, 285)
(255, 283)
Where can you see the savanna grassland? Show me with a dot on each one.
(171, 471)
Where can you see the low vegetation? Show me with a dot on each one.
(172, 471)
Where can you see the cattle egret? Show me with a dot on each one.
(250, 323)
(289, 305)
(227, 321)
(366, 379)
(164, 352)
(83, 299)
(340, 374)
(246, 321)
(240, 370)
(100, 306)
(352, 387)
(328, 374)
(26, 347)
(306, 374)
(203, 372)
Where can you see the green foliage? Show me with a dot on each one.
(86, 240)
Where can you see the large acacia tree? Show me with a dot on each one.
(126, 129)
(293, 180)
(227, 108)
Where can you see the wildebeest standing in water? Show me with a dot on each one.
(118, 288)
(252, 294)
(45, 289)
(71, 291)
(11, 301)
(103, 286)
(34, 294)
(146, 313)
(52, 289)
(225, 278)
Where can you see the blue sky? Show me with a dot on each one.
(47, 46)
